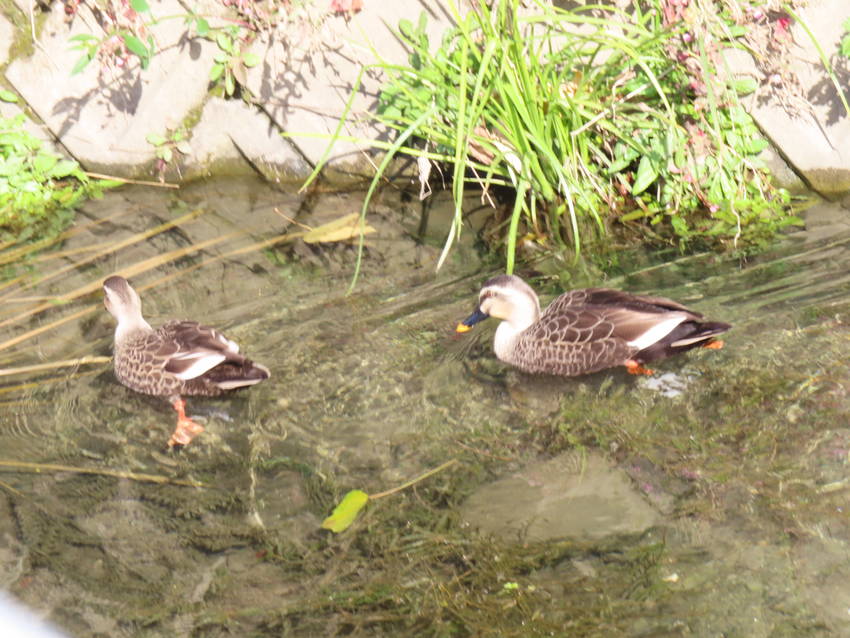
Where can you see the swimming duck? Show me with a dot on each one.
(587, 330)
(180, 357)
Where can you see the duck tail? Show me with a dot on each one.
(701, 332)
(231, 375)
(687, 335)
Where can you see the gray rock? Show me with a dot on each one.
(815, 142)
(570, 496)
(233, 136)
(102, 115)
(822, 570)
(306, 78)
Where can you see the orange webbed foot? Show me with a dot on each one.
(186, 429)
(633, 367)
(714, 344)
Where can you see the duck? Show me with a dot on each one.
(587, 330)
(179, 358)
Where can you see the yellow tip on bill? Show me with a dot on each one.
(461, 327)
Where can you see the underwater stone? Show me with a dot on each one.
(571, 496)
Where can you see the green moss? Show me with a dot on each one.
(22, 45)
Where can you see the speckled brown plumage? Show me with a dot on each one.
(143, 361)
(178, 358)
(587, 330)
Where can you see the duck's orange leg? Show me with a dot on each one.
(186, 429)
(633, 367)
(714, 344)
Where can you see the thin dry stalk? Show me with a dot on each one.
(128, 272)
(67, 363)
(9, 389)
(18, 253)
(23, 466)
(411, 482)
(125, 180)
(114, 247)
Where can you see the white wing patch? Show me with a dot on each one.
(227, 343)
(237, 383)
(687, 342)
(658, 331)
(201, 362)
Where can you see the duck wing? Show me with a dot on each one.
(606, 297)
(588, 330)
(571, 342)
(639, 320)
(189, 350)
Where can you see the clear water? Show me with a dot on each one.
(739, 456)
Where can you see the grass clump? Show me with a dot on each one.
(38, 189)
(597, 118)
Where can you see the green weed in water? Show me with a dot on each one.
(38, 189)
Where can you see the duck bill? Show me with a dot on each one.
(471, 320)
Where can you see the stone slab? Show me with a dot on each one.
(231, 133)
(305, 83)
(814, 142)
(103, 114)
(570, 496)
(211, 143)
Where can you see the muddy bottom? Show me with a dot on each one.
(707, 500)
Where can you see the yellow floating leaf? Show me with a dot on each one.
(347, 510)
(347, 227)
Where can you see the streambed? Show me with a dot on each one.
(722, 481)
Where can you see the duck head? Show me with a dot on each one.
(505, 297)
(124, 304)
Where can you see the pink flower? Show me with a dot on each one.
(782, 28)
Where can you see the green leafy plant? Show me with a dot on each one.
(598, 119)
(127, 25)
(844, 46)
(38, 189)
(231, 63)
(125, 35)
(166, 145)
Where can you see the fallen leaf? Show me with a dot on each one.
(347, 510)
(341, 229)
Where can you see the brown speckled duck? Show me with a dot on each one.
(587, 330)
(178, 358)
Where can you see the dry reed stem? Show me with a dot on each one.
(126, 180)
(128, 272)
(114, 247)
(133, 476)
(8, 389)
(67, 363)
(18, 253)
(140, 267)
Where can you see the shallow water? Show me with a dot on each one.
(738, 457)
